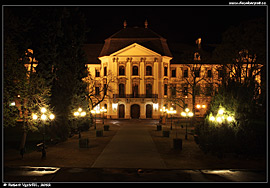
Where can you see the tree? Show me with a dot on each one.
(94, 97)
(242, 58)
(62, 61)
(194, 80)
(21, 83)
(242, 54)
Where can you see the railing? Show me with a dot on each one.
(135, 95)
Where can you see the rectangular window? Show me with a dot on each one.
(173, 72)
(105, 89)
(96, 90)
(105, 71)
(97, 73)
(185, 73)
(209, 73)
(185, 91)
(197, 73)
(220, 73)
(121, 71)
(165, 71)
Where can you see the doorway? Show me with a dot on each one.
(149, 111)
(121, 111)
(135, 111)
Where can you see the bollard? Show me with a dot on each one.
(159, 127)
(106, 127)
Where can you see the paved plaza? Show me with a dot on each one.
(131, 147)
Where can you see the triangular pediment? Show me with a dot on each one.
(135, 49)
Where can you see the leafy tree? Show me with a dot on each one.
(62, 60)
(241, 93)
(21, 84)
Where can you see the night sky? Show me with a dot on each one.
(178, 24)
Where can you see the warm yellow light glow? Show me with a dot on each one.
(51, 116)
(43, 117)
(114, 106)
(76, 113)
(43, 110)
(219, 119)
(80, 109)
(34, 116)
(220, 111)
(230, 118)
(212, 118)
(184, 114)
(155, 106)
(171, 111)
(190, 114)
(12, 104)
(103, 109)
(203, 106)
(83, 114)
(198, 106)
(187, 110)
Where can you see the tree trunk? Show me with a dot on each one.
(23, 141)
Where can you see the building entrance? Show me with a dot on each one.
(135, 111)
(149, 111)
(121, 112)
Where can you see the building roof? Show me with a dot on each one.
(92, 52)
(129, 35)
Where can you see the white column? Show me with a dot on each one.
(128, 75)
(142, 84)
(155, 90)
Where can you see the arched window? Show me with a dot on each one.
(121, 71)
(148, 71)
(105, 71)
(148, 90)
(135, 71)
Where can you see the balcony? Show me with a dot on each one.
(135, 95)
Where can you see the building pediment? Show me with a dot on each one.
(135, 49)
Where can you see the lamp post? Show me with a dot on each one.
(222, 116)
(171, 111)
(103, 110)
(43, 119)
(77, 114)
(164, 110)
(186, 114)
(95, 112)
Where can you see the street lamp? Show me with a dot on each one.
(186, 114)
(77, 114)
(164, 110)
(95, 111)
(171, 111)
(43, 119)
(103, 110)
(222, 116)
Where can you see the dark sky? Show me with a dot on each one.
(175, 23)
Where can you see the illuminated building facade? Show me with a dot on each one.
(138, 61)
(144, 76)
